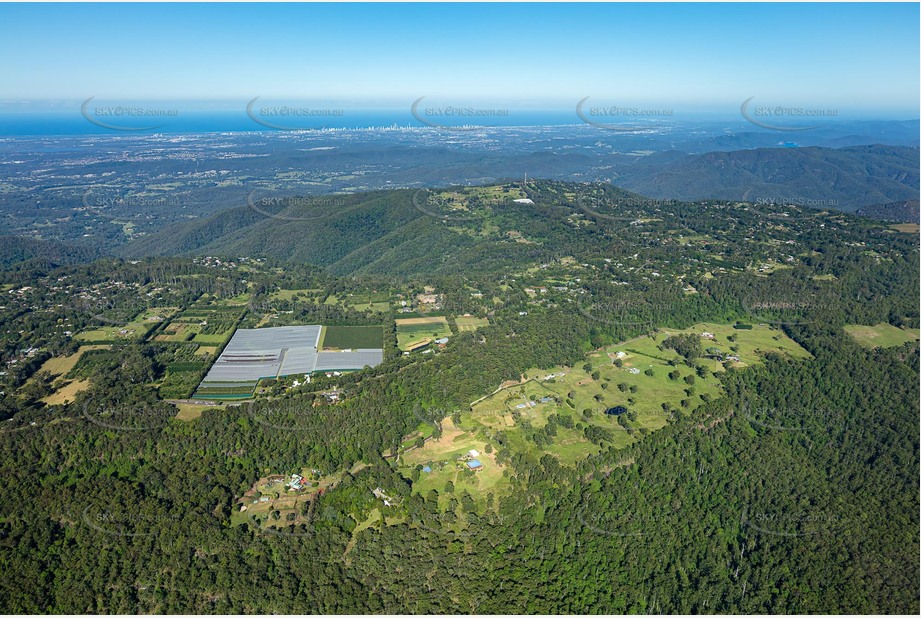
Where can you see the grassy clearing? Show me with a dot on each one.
(206, 351)
(352, 337)
(61, 365)
(446, 457)
(290, 294)
(751, 344)
(381, 307)
(291, 505)
(67, 393)
(133, 330)
(469, 323)
(521, 411)
(881, 335)
(215, 339)
(368, 301)
(907, 228)
(414, 330)
(190, 412)
(178, 331)
(562, 411)
(128, 332)
(157, 314)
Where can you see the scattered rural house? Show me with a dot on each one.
(427, 299)
(706, 335)
(426, 469)
(522, 313)
(379, 493)
(474, 464)
(523, 200)
(546, 399)
(473, 453)
(441, 341)
(620, 355)
(633, 370)
(296, 482)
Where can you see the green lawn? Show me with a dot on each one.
(470, 323)
(519, 414)
(352, 337)
(444, 457)
(215, 339)
(290, 294)
(375, 301)
(881, 335)
(501, 412)
(131, 331)
(414, 330)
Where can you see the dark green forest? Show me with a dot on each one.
(793, 491)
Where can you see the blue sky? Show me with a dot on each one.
(856, 57)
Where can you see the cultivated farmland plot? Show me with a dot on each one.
(412, 331)
(466, 323)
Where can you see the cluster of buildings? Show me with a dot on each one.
(471, 460)
(532, 403)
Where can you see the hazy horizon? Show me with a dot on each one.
(855, 58)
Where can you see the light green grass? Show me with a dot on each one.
(445, 458)
(500, 413)
(290, 294)
(414, 330)
(881, 335)
(470, 323)
(213, 339)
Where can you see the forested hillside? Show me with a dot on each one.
(780, 478)
(841, 179)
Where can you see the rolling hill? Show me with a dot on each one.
(844, 179)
